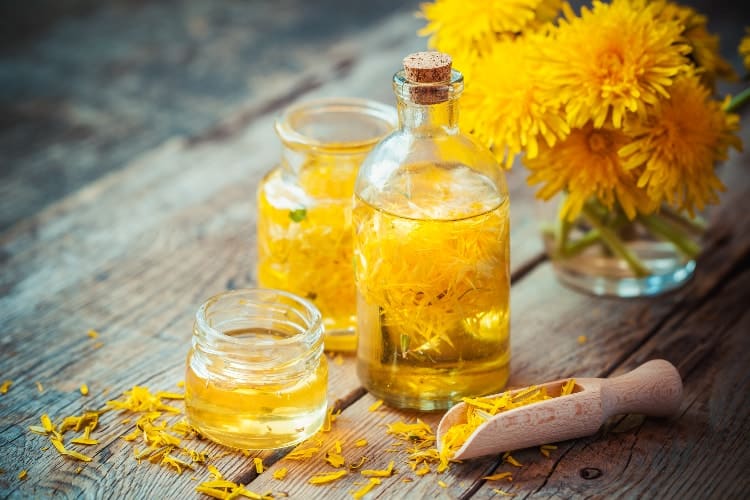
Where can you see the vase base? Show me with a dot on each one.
(625, 287)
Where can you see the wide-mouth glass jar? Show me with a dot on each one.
(304, 206)
(256, 377)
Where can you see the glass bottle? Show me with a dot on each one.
(304, 206)
(256, 377)
(431, 251)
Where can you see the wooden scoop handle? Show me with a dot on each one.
(654, 388)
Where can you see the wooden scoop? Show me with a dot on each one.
(654, 389)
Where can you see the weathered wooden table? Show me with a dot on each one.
(132, 254)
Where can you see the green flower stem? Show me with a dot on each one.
(661, 228)
(738, 100)
(562, 231)
(574, 248)
(615, 244)
(691, 225)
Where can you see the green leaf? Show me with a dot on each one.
(405, 341)
(298, 214)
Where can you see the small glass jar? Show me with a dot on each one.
(304, 206)
(431, 255)
(256, 377)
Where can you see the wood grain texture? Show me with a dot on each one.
(104, 83)
(134, 252)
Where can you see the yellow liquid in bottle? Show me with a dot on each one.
(271, 411)
(305, 243)
(432, 272)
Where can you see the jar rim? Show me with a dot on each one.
(311, 334)
(294, 138)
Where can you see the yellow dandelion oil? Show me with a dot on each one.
(431, 252)
(304, 207)
(256, 377)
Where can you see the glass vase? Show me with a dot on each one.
(605, 253)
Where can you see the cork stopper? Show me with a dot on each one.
(428, 68)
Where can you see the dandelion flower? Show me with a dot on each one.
(745, 49)
(587, 164)
(677, 147)
(467, 29)
(704, 45)
(614, 58)
(503, 106)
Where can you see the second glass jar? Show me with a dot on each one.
(431, 255)
(304, 206)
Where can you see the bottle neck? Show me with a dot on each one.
(428, 119)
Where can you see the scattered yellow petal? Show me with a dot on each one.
(215, 472)
(79, 469)
(359, 443)
(169, 395)
(5, 386)
(23, 474)
(377, 404)
(327, 477)
(84, 441)
(47, 423)
(331, 416)
(499, 476)
(37, 429)
(512, 461)
(425, 469)
(78, 456)
(181, 383)
(335, 459)
(503, 493)
(175, 462)
(280, 473)
(93, 334)
(387, 472)
(582, 339)
(302, 454)
(359, 464)
(442, 484)
(84, 389)
(545, 449)
(228, 490)
(338, 360)
(364, 490)
(39, 387)
(258, 465)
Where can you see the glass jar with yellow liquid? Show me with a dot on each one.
(431, 252)
(304, 206)
(256, 376)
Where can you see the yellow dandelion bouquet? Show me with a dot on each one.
(612, 111)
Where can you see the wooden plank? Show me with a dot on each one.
(135, 253)
(132, 256)
(90, 92)
(701, 453)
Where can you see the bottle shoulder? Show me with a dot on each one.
(400, 151)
